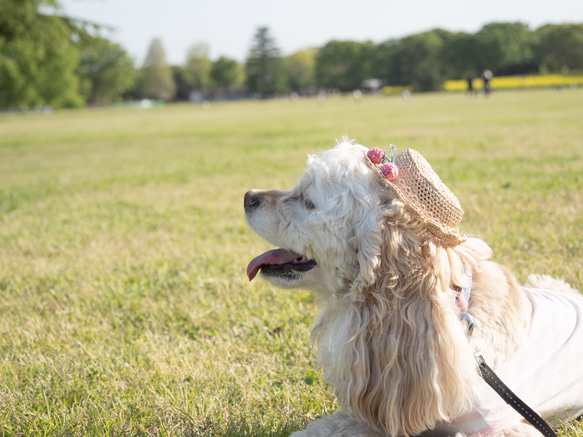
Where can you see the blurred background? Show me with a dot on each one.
(71, 53)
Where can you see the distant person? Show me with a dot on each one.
(471, 90)
(487, 76)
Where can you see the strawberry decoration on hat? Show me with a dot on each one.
(390, 170)
(387, 165)
(376, 155)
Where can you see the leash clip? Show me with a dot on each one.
(480, 358)
(470, 321)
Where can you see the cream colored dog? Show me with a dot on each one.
(389, 268)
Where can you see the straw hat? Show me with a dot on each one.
(421, 190)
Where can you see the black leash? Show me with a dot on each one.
(462, 303)
(502, 389)
(514, 401)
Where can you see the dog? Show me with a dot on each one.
(376, 237)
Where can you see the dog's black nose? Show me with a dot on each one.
(252, 200)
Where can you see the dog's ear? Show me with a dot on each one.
(412, 365)
(369, 238)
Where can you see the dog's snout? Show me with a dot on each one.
(252, 200)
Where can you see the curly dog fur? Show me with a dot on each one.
(389, 337)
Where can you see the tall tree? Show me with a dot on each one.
(561, 46)
(508, 48)
(462, 56)
(183, 89)
(226, 72)
(157, 80)
(263, 66)
(105, 70)
(299, 69)
(343, 64)
(38, 56)
(383, 61)
(196, 71)
(414, 60)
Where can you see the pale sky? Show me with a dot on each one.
(228, 26)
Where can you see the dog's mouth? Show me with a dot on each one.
(279, 262)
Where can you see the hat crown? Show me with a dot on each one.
(432, 196)
(422, 191)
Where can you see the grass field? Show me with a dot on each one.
(124, 305)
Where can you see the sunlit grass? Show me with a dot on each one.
(124, 306)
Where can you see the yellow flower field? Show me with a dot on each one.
(549, 80)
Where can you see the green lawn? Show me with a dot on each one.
(124, 305)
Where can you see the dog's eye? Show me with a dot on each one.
(306, 203)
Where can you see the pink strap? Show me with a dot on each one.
(463, 300)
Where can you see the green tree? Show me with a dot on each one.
(157, 80)
(462, 56)
(383, 61)
(183, 89)
(416, 60)
(263, 66)
(561, 46)
(299, 69)
(38, 56)
(197, 69)
(508, 48)
(105, 70)
(226, 72)
(343, 64)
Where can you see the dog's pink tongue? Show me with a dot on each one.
(275, 256)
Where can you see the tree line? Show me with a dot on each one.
(47, 58)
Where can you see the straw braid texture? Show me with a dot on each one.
(423, 192)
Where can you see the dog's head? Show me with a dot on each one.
(328, 227)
